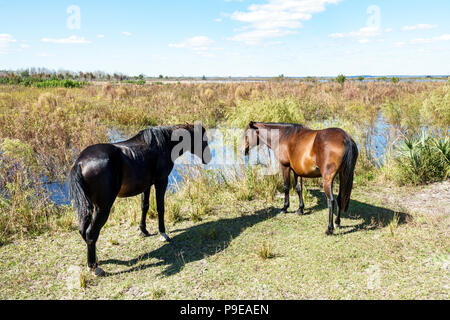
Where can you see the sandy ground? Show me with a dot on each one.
(430, 199)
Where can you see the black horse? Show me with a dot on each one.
(103, 172)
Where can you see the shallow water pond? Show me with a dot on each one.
(226, 164)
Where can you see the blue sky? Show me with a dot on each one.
(228, 37)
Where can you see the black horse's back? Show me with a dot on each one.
(104, 172)
(97, 168)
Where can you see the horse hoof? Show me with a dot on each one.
(145, 234)
(337, 225)
(164, 237)
(284, 211)
(299, 212)
(329, 232)
(99, 272)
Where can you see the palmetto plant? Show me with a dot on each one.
(424, 159)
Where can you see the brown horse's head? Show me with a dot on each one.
(250, 138)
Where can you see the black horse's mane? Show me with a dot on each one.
(153, 137)
(156, 136)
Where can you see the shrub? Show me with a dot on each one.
(341, 79)
(57, 83)
(266, 110)
(421, 160)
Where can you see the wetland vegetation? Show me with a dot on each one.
(401, 129)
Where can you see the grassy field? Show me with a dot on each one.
(230, 241)
(246, 251)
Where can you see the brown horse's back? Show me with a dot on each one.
(300, 155)
(313, 152)
(329, 147)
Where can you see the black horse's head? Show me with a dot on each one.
(204, 153)
(250, 138)
(192, 138)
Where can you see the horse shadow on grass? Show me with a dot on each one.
(373, 217)
(195, 243)
(210, 238)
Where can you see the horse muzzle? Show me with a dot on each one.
(206, 156)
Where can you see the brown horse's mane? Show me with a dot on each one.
(286, 128)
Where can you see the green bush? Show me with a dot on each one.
(341, 79)
(266, 110)
(421, 160)
(59, 83)
(42, 83)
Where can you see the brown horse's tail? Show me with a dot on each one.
(347, 172)
(81, 201)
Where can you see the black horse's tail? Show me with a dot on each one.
(81, 201)
(346, 176)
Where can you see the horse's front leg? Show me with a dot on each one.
(160, 191)
(144, 206)
(286, 171)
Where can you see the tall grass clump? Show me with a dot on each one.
(25, 208)
(420, 160)
(436, 107)
(265, 110)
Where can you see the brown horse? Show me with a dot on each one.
(309, 154)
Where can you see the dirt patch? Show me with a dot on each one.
(429, 199)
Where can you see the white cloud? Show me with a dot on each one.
(5, 41)
(199, 44)
(444, 37)
(24, 46)
(363, 33)
(69, 40)
(275, 18)
(419, 27)
(46, 55)
(126, 33)
(193, 43)
(100, 36)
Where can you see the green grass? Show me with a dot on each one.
(378, 254)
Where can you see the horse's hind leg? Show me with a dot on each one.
(160, 191)
(299, 188)
(339, 198)
(84, 221)
(92, 234)
(328, 188)
(144, 206)
(286, 171)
